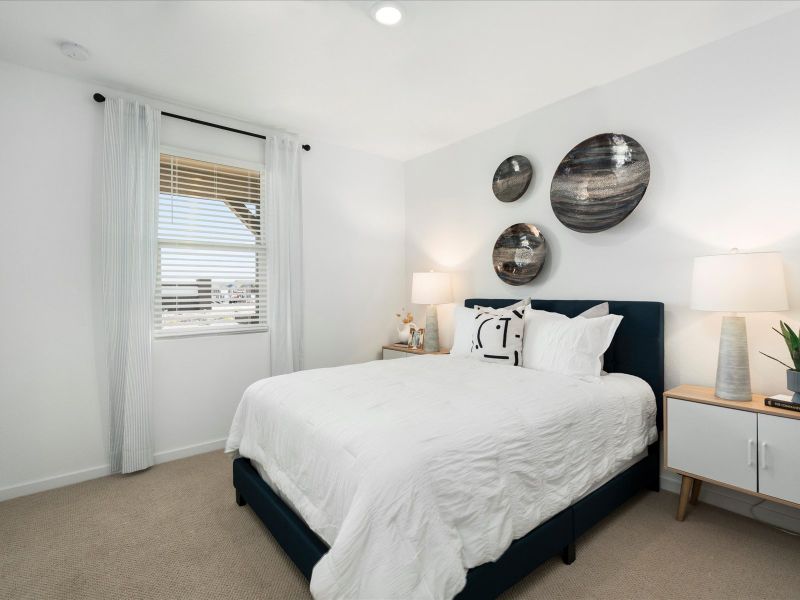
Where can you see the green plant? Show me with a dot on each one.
(792, 340)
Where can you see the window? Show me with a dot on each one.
(211, 269)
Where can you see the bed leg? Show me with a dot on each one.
(240, 501)
(654, 476)
(568, 554)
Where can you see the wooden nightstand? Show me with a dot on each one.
(745, 446)
(403, 351)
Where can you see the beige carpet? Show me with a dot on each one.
(175, 532)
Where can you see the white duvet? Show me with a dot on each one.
(415, 470)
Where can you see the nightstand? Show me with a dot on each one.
(403, 351)
(745, 446)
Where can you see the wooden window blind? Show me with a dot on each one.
(211, 265)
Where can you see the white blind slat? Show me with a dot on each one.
(211, 268)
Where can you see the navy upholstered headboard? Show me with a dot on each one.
(638, 346)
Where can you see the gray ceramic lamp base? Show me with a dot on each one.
(431, 340)
(733, 364)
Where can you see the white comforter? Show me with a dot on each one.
(415, 470)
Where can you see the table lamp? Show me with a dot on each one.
(734, 283)
(431, 289)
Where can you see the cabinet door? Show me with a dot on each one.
(388, 354)
(778, 456)
(712, 441)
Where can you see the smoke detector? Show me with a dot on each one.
(74, 51)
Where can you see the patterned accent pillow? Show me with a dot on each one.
(497, 335)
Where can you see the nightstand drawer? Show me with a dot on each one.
(713, 442)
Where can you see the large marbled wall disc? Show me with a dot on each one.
(600, 182)
(512, 178)
(519, 253)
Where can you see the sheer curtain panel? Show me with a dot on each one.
(284, 254)
(130, 188)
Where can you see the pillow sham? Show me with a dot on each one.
(553, 342)
(462, 331)
(462, 326)
(463, 318)
(497, 335)
(526, 303)
(598, 310)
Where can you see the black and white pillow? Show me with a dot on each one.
(497, 335)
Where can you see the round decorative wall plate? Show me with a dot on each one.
(599, 182)
(519, 254)
(512, 178)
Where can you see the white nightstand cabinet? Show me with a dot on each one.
(746, 446)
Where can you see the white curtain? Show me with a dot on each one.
(284, 254)
(130, 188)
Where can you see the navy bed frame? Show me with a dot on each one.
(637, 349)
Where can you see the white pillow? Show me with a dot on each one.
(462, 330)
(598, 310)
(463, 318)
(497, 335)
(554, 342)
(526, 303)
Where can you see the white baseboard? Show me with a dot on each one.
(186, 451)
(772, 513)
(50, 483)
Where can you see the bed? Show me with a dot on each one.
(370, 516)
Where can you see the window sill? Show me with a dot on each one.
(157, 336)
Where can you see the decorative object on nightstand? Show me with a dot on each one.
(783, 401)
(405, 326)
(417, 339)
(737, 282)
(748, 446)
(431, 288)
(792, 340)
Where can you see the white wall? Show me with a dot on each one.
(51, 421)
(720, 125)
(53, 425)
(353, 254)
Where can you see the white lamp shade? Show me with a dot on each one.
(746, 282)
(431, 288)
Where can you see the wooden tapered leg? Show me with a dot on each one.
(686, 490)
(695, 491)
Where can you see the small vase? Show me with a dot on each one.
(404, 332)
(793, 383)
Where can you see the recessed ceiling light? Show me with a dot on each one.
(387, 13)
(74, 51)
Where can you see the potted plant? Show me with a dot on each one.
(792, 340)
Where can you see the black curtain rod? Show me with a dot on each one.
(98, 97)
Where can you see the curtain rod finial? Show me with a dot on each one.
(98, 97)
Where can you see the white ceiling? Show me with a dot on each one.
(326, 69)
